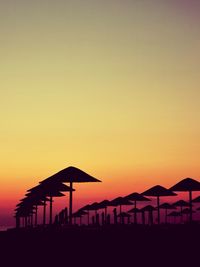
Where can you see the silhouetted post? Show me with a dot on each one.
(103, 218)
(108, 219)
(70, 203)
(158, 205)
(50, 210)
(190, 202)
(115, 215)
(143, 217)
(88, 217)
(105, 214)
(66, 216)
(36, 212)
(44, 213)
(17, 221)
(120, 211)
(93, 220)
(97, 219)
(135, 214)
(151, 217)
(165, 216)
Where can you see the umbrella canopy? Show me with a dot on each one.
(196, 200)
(71, 175)
(187, 185)
(181, 203)
(136, 197)
(124, 215)
(187, 211)
(134, 210)
(148, 208)
(167, 207)
(158, 191)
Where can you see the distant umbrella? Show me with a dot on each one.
(167, 207)
(119, 201)
(103, 205)
(158, 191)
(174, 214)
(87, 208)
(123, 215)
(71, 175)
(196, 200)
(79, 215)
(181, 203)
(149, 209)
(50, 189)
(135, 197)
(187, 185)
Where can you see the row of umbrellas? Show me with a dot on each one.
(53, 186)
(187, 184)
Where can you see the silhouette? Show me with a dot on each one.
(71, 175)
(149, 209)
(134, 211)
(174, 214)
(122, 217)
(136, 197)
(115, 215)
(167, 207)
(181, 204)
(119, 201)
(103, 205)
(187, 185)
(158, 191)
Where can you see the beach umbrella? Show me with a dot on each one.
(196, 200)
(71, 175)
(87, 208)
(166, 207)
(158, 191)
(174, 214)
(181, 203)
(149, 209)
(135, 197)
(123, 215)
(94, 207)
(134, 211)
(50, 189)
(119, 201)
(104, 205)
(187, 185)
(79, 215)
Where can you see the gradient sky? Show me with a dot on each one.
(109, 86)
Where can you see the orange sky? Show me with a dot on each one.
(110, 87)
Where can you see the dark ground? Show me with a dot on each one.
(173, 245)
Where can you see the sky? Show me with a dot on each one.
(111, 87)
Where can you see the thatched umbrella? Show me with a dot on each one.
(119, 201)
(123, 215)
(181, 203)
(187, 185)
(135, 197)
(71, 175)
(79, 215)
(158, 191)
(104, 205)
(166, 207)
(150, 209)
(174, 214)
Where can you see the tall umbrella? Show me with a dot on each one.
(71, 175)
(166, 207)
(187, 185)
(158, 191)
(135, 197)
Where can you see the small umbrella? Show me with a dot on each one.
(181, 203)
(149, 209)
(103, 205)
(158, 191)
(79, 215)
(87, 208)
(174, 214)
(136, 197)
(119, 201)
(123, 215)
(187, 185)
(167, 207)
(71, 175)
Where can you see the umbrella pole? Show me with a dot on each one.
(70, 204)
(120, 211)
(165, 216)
(190, 201)
(88, 218)
(36, 210)
(44, 213)
(105, 215)
(51, 207)
(135, 213)
(181, 214)
(158, 205)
